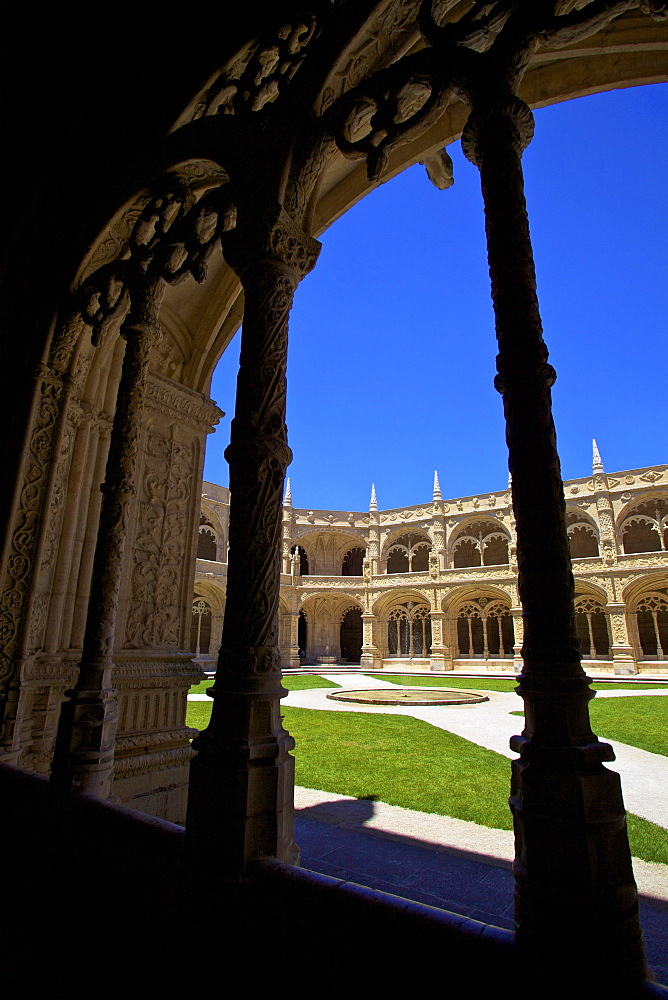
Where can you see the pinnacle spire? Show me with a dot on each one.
(437, 487)
(287, 500)
(597, 464)
(373, 502)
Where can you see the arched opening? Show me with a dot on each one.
(645, 527)
(484, 629)
(409, 630)
(206, 540)
(409, 553)
(480, 543)
(652, 624)
(582, 538)
(352, 562)
(593, 628)
(351, 635)
(302, 634)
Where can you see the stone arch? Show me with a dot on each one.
(353, 561)
(207, 542)
(325, 550)
(593, 625)
(351, 634)
(481, 623)
(480, 541)
(583, 536)
(407, 552)
(643, 525)
(323, 611)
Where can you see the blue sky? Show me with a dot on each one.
(392, 346)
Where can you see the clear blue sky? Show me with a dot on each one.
(392, 346)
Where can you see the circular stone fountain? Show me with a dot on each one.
(410, 696)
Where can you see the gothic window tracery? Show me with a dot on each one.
(200, 626)
(482, 543)
(484, 629)
(352, 562)
(206, 540)
(652, 623)
(645, 527)
(582, 538)
(409, 630)
(593, 628)
(409, 553)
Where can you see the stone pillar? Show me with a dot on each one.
(84, 753)
(370, 658)
(240, 805)
(604, 511)
(294, 659)
(575, 893)
(623, 657)
(441, 655)
(373, 537)
(518, 629)
(286, 556)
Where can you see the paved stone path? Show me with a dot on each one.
(451, 863)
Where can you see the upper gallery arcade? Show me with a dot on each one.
(434, 586)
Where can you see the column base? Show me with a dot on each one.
(371, 660)
(623, 660)
(575, 894)
(440, 662)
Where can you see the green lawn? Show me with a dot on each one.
(303, 682)
(294, 682)
(489, 683)
(640, 722)
(407, 762)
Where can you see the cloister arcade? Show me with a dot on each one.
(173, 178)
(467, 574)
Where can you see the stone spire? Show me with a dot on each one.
(510, 479)
(597, 464)
(373, 502)
(287, 500)
(437, 488)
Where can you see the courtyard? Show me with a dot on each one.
(412, 799)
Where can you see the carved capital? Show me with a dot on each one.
(271, 238)
(491, 127)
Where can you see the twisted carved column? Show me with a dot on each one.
(240, 805)
(84, 754)
(575, 893)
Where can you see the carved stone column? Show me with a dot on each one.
(624, 661)
(240, 804)
(84, 754)
(441, 656)
(575, 893)
(370, 658)
(518, 628)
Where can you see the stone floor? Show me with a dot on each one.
(334, 842)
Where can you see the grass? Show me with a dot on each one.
(407, 762)
(304, 682)
(488, 683)
(640, 722)
(294, 682)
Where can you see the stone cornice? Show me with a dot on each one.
(177, 401)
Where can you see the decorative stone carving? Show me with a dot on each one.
(164, 506)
